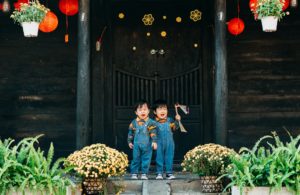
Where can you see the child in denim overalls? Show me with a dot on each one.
(141, 138)
(165, 141)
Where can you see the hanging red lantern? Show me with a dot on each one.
(236, 26)
(1, 6)
(252, 5)
(17, 4)
(49, 23)
(285, 4)
(68, 7)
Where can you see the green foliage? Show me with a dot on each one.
(32, 11)
(25, 166)
(277, 165)
(269, 8)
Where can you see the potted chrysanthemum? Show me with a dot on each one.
(95, 164)
(269, 12)
(29, 16)
(209, 161)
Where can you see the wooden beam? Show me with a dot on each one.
(220, 87)
(83, 131)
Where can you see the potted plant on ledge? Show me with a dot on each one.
(269, 168)
(96, 164)
(269, 12)
(29, 16)
(209, 161)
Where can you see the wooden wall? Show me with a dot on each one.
(264, 78)
(38, 80)
(38, 84)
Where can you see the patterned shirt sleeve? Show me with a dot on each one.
(152, 130)
(131, 132)
(174, 124)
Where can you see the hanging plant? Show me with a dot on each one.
(269, 11)
(29, 17)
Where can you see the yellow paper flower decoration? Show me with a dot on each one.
(121, 15)
(178, 19)
(163, 33)
(195, 15)
(148, 19)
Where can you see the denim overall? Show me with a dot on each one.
(165, 147)
(142, 150)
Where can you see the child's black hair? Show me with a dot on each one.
(140, 103)
(159, 103)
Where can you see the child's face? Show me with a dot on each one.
(142, 112)
(161, 112)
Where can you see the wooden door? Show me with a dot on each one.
(148, 66)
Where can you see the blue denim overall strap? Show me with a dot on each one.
(165, 147)
(142, 151)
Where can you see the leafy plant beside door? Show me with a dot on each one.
(275, 165)
(25, 169)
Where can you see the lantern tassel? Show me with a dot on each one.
(294, 3)
(67, 30)
(99, 41)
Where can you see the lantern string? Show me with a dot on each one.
(238, 8)
(101, 36)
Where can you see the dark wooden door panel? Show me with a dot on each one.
(176, 75)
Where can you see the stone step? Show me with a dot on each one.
(184, 184)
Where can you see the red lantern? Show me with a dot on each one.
(68, 7)
(17, 4)
(1, 6)
(236, 26)
(49, 23)
(285, 4)
(252, 5)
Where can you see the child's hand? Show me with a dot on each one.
(178, 117)
(154, 146)
(130, 145)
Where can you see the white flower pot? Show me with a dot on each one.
(269, 23)
(30, 29)
(259, 191)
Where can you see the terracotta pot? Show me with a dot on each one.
(269, 23)
(30, 29)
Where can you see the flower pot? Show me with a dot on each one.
(269, 23)
(30, 29)
(259, 191)
(210, 185)
(94, 185)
